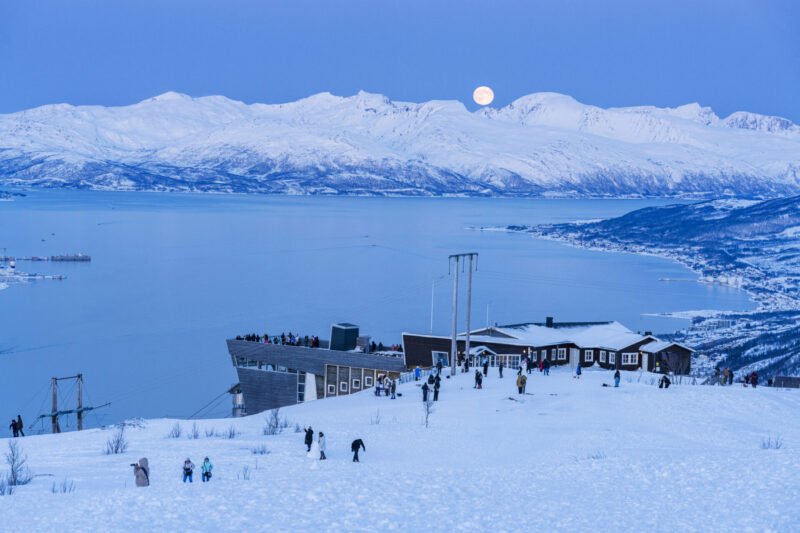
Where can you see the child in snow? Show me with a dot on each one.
(188, 469)
(522, 380)
(309, 438)
(577, 372)
(394, 389)
(477, 376)
(480, 381)
(205, 470)
(321, 442)
(142, 473)
(616, 378)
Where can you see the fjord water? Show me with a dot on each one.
(172, 276)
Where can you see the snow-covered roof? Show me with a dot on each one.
(478, 350)
(659, 346)
(607, 335)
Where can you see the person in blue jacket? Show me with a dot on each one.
(206, 469)
(416, 373)
(578, 371)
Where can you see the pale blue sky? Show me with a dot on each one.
(730, 55)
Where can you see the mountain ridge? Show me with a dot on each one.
(542, 144)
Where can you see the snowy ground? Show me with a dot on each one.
(573, 455)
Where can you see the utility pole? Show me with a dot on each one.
(80, 402)
(469, 304)
(433, 289)
(454, 345)
(56, 429)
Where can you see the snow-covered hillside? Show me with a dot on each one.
(570, 456)
(540, 144)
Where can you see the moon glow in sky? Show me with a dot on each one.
(483, 95)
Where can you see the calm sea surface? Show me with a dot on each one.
(172, 276)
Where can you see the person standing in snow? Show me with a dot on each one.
(142, 473)
(205, 470)
(477, 376)
(355, 446)
(486, 367)
(616, 378)
(439, 366)
(394, 389)
(546, 367)
(321, 441)
(523, 367)
(664, 382)
(754, 379)
(416, 373)
(425, 392)
(541, 364)
(20, 426)
(188, 470)
(500, 368)
(577, 372)
(14, 429)
(522, 380)
(309, 438)
(725, 377)
(436, 392)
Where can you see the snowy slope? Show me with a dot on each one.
(572, 456)
(540, 144)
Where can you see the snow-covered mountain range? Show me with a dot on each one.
(541, 144)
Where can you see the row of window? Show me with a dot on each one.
(511, 361)
(355, 384)
(243, 362)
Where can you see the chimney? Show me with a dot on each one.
(646, 333)
(548, 322)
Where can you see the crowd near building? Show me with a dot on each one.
(279, 370)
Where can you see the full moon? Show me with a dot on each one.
(483, 95)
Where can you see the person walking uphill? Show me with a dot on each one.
(20, 426)
(322, 446)
(205, 470)
(309, 438)
(188, 470)
(522, 380)
(142, 473)
(425, 392)
(355, 446)
(14, 429)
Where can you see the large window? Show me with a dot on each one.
(612, 358)
(331, 389)
(562, 354)
(602, 356)
(439, 356)
(543, 353)
(356, 384)
(301, 386)
(553, 354)
(630, 358)
(588, 356)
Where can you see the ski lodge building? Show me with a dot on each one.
(275, 375)
(609, 345)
